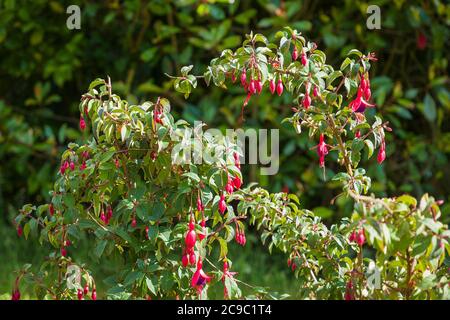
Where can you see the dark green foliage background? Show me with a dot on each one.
(44, 68)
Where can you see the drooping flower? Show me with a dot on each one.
(359, 104)
(304, 59)
(191, 236)
(202, 234)
(244, 78)
(237, 182)
(19, 230)
(15, 294)
(272, 86)
(229, 274)
(229, 186)
(360, 238)
(280, 87)
(236, 160)
(295, 54)
(322, 150)
(222, 204)
(184, 260)
(82, 123)
(382, 152)
(192, 257)
(200, 206)
(94, 294)
(315, 91)
(200, 278)
(306, 102)
(421, 41)
(86, 290)
(252, 87)
(349, 291)
(258, 86)
(80, 294)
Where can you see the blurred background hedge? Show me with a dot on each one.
(45, 67)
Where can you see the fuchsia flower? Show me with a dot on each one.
(382, 152)
(80, 294)
(236, 160)
(244, 78)
(184, 260)
(421, 41)
(94, 294)
(200, 206)
(202, 235)
(322, 150)
(157, 116)
(315, 92)
(226, 273)
(222, 204)
(258, 86)
(295, 54)
(237, 182)
(272, 86)
(252, 87)
(191, 236)
(349, 291)
(82, 123)
(200, 278)
(229, 187)
(19, 230)
(306, 102)
(358, 237)
(15, 294)
(280, 87)
(359, 104)
(304, 59)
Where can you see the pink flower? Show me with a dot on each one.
(191, 236)
(280, 87)
(359, 104)
(322, 150)
(304, 59)
(295, 54)
(222, 204)
(421, 41)
(272, 86)
(200, 278)
(200, 206)
(306, 101)
(237, 182)
(382, 152)
(226, 273)
(82, 123)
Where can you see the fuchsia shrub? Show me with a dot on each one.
(164, 218)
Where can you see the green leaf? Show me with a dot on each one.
(429, 108)
(100, 247)
(355, 52)
(124, 132)
(370, 147)
(149, 282)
